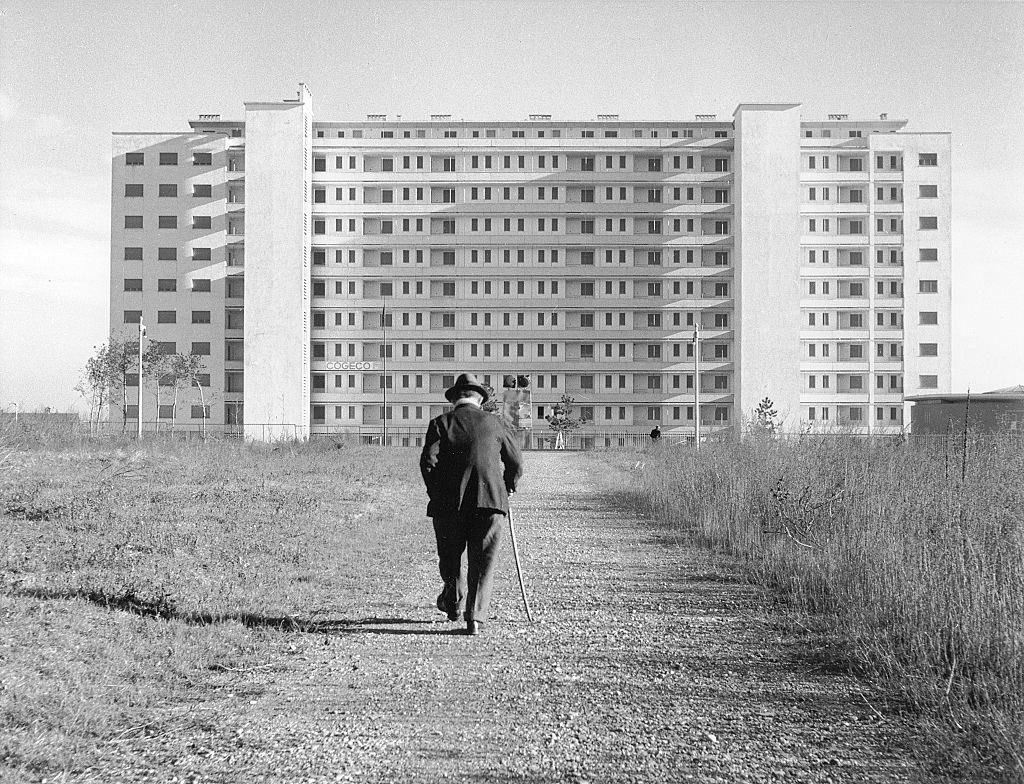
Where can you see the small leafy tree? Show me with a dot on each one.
(561, 419)
(766, 419)
(106, 373)
(95, 385)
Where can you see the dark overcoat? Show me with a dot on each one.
(470, 461)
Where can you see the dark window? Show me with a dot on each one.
(134, 159)
(168, 159)
(202, 159)
(167, 222)
(133, 221)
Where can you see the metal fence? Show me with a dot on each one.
(62, 429)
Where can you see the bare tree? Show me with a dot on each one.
(188, 370)
(155, 364)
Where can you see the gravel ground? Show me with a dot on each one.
(648, 661)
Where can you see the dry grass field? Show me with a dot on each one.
(218, 551)
(905, 560)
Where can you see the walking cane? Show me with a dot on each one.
(519, 568)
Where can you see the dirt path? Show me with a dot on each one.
(648, 662)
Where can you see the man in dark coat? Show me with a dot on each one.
(470, 465)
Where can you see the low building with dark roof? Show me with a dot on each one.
(998, 411)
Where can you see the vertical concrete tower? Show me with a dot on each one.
(767, 273)
(277, 267)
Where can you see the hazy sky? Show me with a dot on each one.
(73, 72)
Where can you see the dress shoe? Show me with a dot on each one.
(474, 628)
(442, 605)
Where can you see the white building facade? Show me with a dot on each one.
(337, 276)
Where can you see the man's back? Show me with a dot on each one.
(470, 460)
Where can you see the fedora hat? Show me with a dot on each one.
(466, 381)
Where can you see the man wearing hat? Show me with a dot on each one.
(470, 465)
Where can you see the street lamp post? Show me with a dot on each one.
(142, 334)
(696, 383)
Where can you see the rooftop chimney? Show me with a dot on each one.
(706, 116)
(839, 116)
(436, 117)
(377, 117)
(607, 117)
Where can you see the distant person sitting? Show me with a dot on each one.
(470, 465)
(656, 433)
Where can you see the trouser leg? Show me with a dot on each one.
(450, 533)
(484, 537)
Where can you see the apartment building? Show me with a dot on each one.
(336, 276)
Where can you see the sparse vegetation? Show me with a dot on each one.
(209, 553)
(906, 556)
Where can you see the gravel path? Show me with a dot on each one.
(648, 661)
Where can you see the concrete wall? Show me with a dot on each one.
(277, 268)
(915, 270)
(767, 270)
(182, 269)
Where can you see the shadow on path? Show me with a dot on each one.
(164, 608)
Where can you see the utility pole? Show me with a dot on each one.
(384, 377)
(696, 382)
(142, 334)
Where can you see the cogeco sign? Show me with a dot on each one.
(350, 365)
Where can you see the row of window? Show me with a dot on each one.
(856, 195)
(235, 226)
(855, 258)
(855, 163)
(718, 414)
(854, 383)
(538, 133)
(882, 225)
(855, 288)
(550, 224)
(856, 350)
(891, 414)
(234, 286)
(168, 159)
(646, 162)
(542, 288)
(167, 316)
(532, 256)
(718, 352)
(856, 320)
(520, 193)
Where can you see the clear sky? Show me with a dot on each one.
(73, 72)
